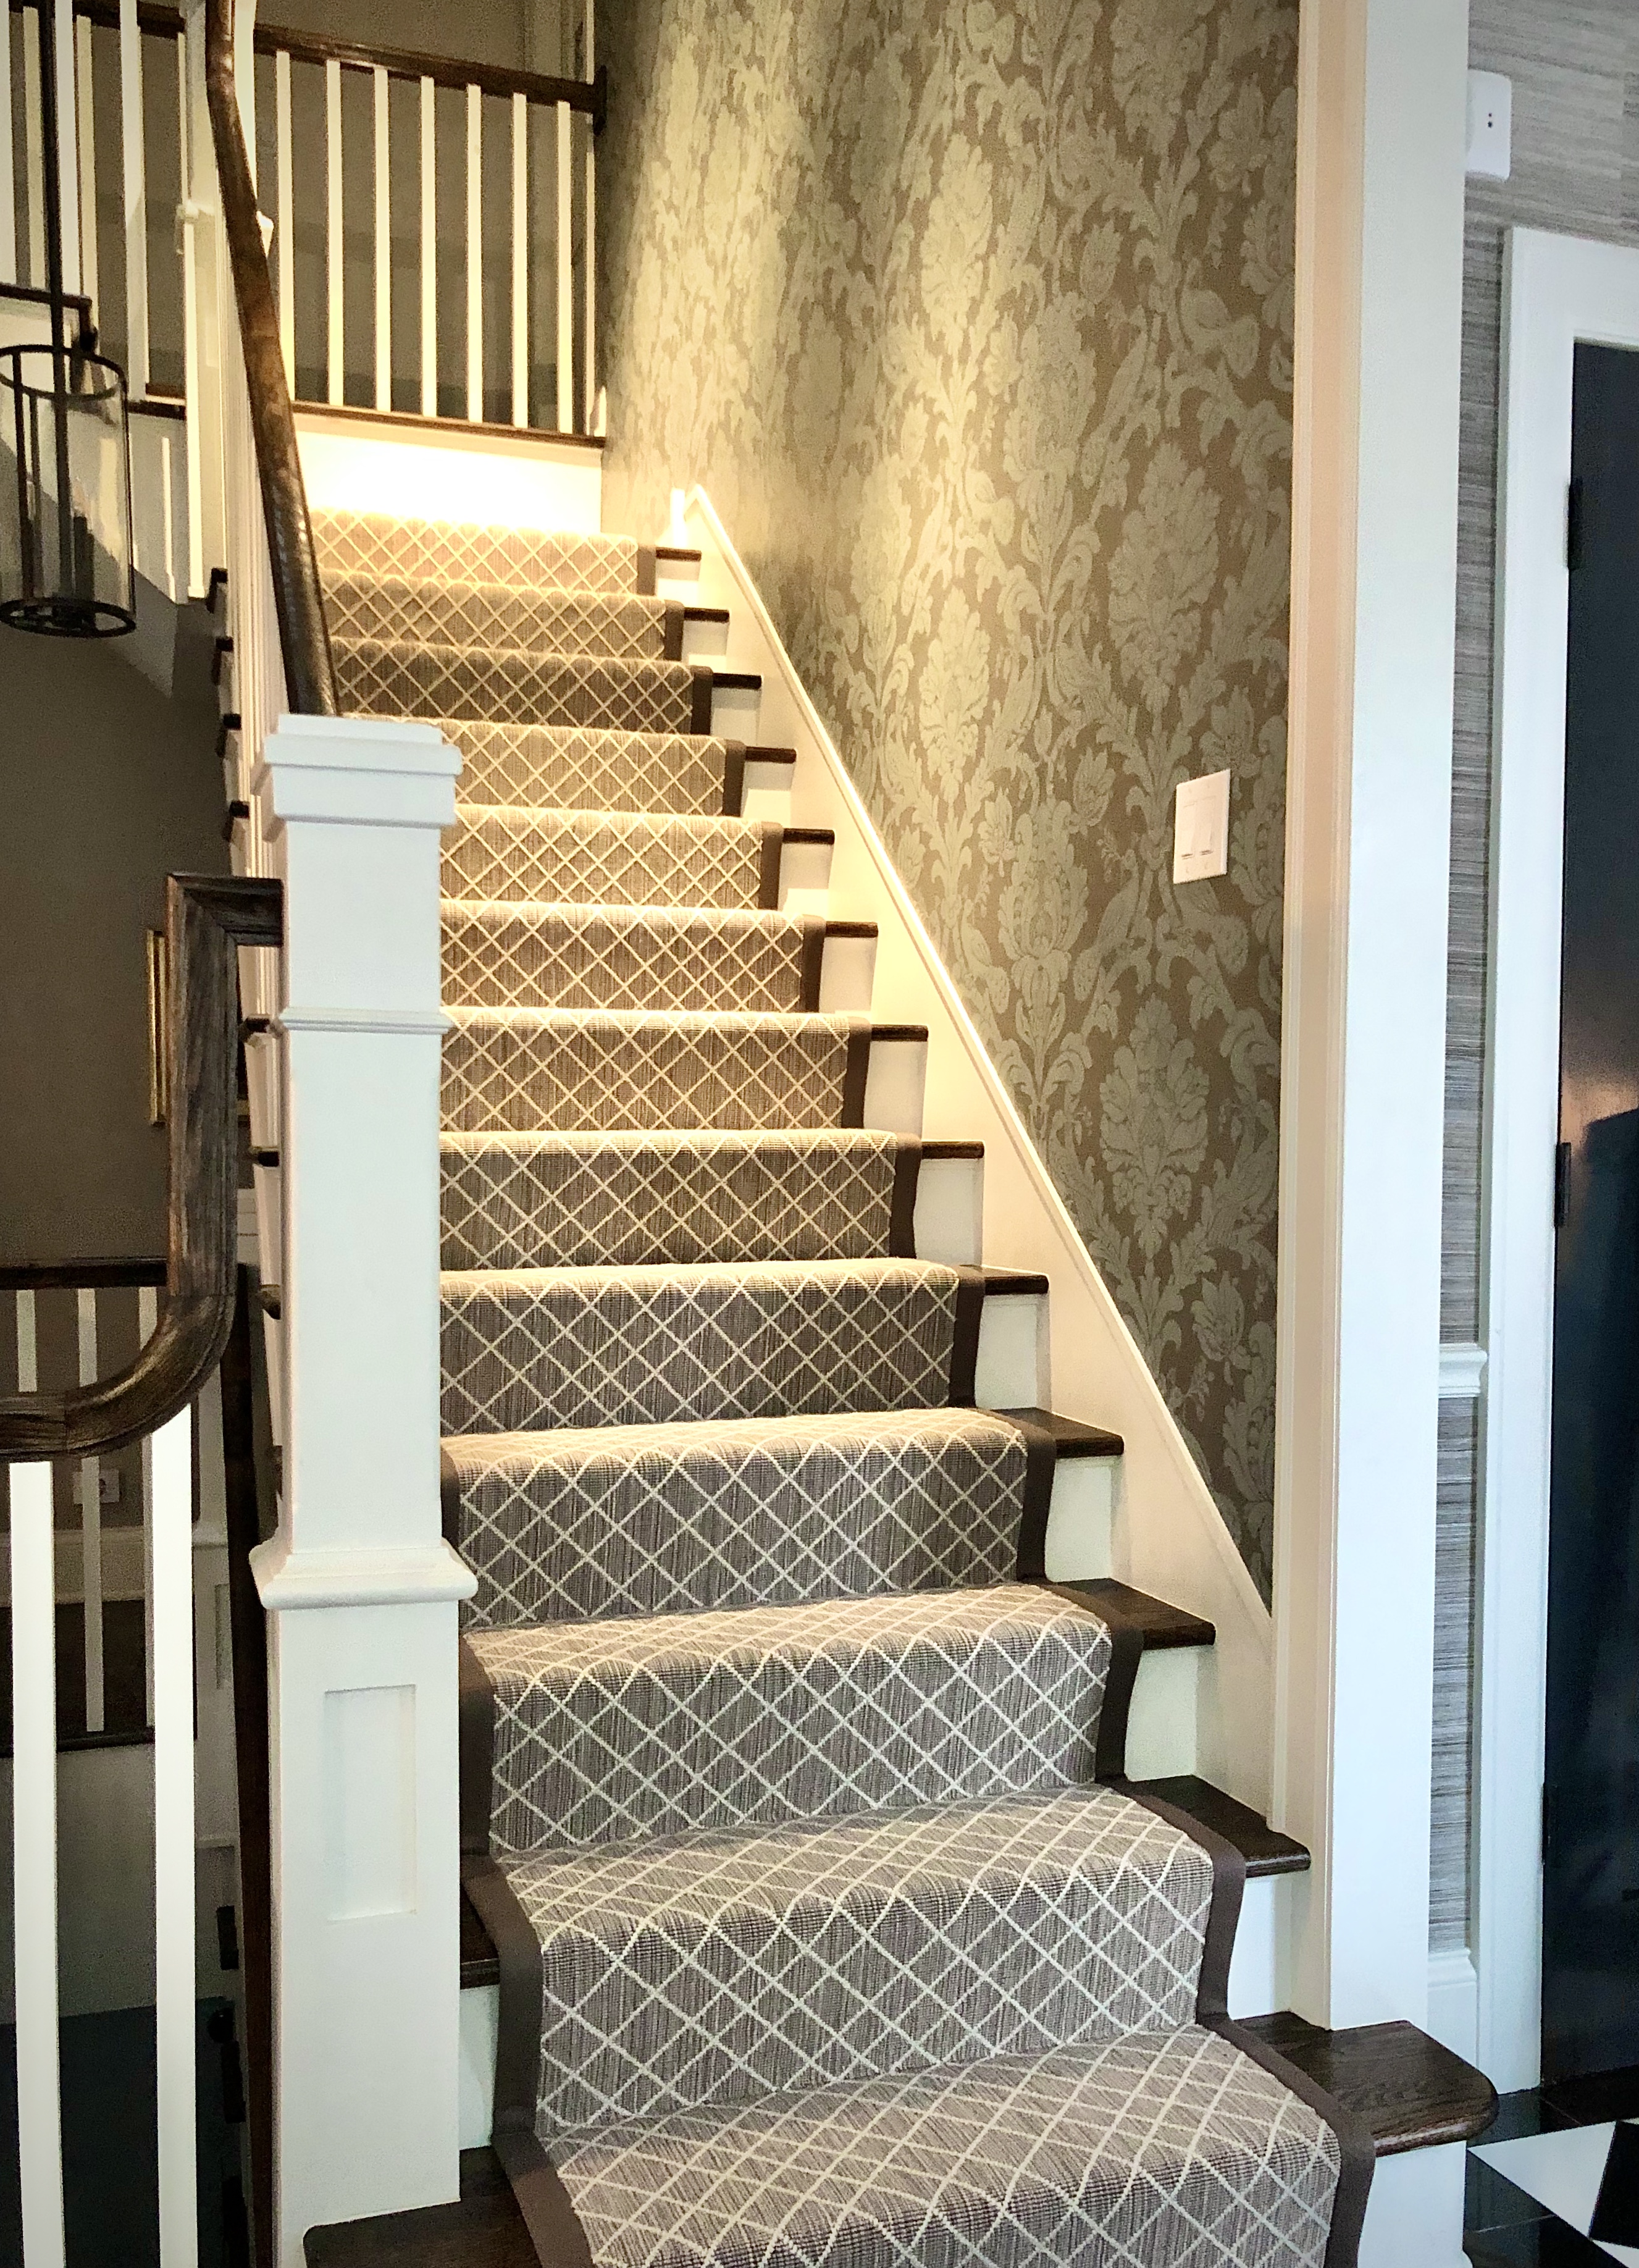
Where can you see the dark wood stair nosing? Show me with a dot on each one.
(895, 1033)
(1072, 1437)
(705, 613)
(1161, 1625)
(1014, 1283)
(676, 551)
(733, 681)
(824, 837)
(1408, 2090)
(760, 755)
(1266, 1850)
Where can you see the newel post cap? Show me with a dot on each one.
(370, 772)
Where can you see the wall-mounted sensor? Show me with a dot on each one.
(1490, 124)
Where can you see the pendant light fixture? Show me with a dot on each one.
(66, 565)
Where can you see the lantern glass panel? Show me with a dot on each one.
(66, 565)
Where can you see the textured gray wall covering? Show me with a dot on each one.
(1576, 169)
(977, 325)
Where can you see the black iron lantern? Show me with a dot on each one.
(66, 564)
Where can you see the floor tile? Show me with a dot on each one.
(1563, 2170)
(1594, 2101)
(1492, 2201)
(1525, 2113)
(1536, 2244)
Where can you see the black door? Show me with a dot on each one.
(1591, 1876)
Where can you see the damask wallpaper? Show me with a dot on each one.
(976, 322)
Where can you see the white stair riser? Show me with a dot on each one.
(480, 2019)
(676, 578)
(1081, 1521)
(847, 973)
(806, 877)
(1162, 1728)
(1012, 1367)
(950, 1210)
(766, 793)
(1257, 1982)
(894, 1084)
(1415, 2213)
(734, 712)
(705, 641)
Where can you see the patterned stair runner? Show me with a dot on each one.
(824, 1935)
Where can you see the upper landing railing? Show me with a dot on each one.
(428, 219)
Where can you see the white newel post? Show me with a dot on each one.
(359, 1586)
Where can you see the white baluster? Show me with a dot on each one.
(429, 254)
(134, 186)
(191, 394)
(34, 148)
(383, 248)
(171, 1460)
(285, 219)
(68, 141)
(8, 195)
(34, 1835)
(90, 1525)
(474, 254)
(335, 370)
(589, 344)
(520, 261)
(86, 139)
(566, 277)
(147, 1320)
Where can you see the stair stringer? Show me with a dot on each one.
(1168, 1536)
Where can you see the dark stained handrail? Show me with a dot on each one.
(304, 638)
(208, 918)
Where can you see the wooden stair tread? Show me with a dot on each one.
(1161, 1625)
(1070, 1437)
(1412, 2093)
(1264, 1848)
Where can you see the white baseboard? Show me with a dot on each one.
(1454, 2002)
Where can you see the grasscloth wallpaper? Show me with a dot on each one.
(976, 322)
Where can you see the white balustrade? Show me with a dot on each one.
(41, 1574)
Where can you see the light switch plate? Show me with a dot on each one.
(1490, 124)
(1201, 827)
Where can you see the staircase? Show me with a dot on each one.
(829, 1928)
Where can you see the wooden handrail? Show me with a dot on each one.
(82, 1275)
(304, 638)
(166, 22)
(208, 918)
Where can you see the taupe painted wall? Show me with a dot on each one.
(106, 786)
(1575, 69)
(976, 323)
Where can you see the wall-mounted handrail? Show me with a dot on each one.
(207, 920)
(304, 638)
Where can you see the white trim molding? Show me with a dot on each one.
(1382, 109)
(1462, 1371)
(1556, 291)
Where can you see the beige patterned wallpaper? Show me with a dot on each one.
(976, 322)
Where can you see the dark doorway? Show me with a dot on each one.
(1591, 1868)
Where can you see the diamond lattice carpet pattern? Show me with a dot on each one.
(823, 1945)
